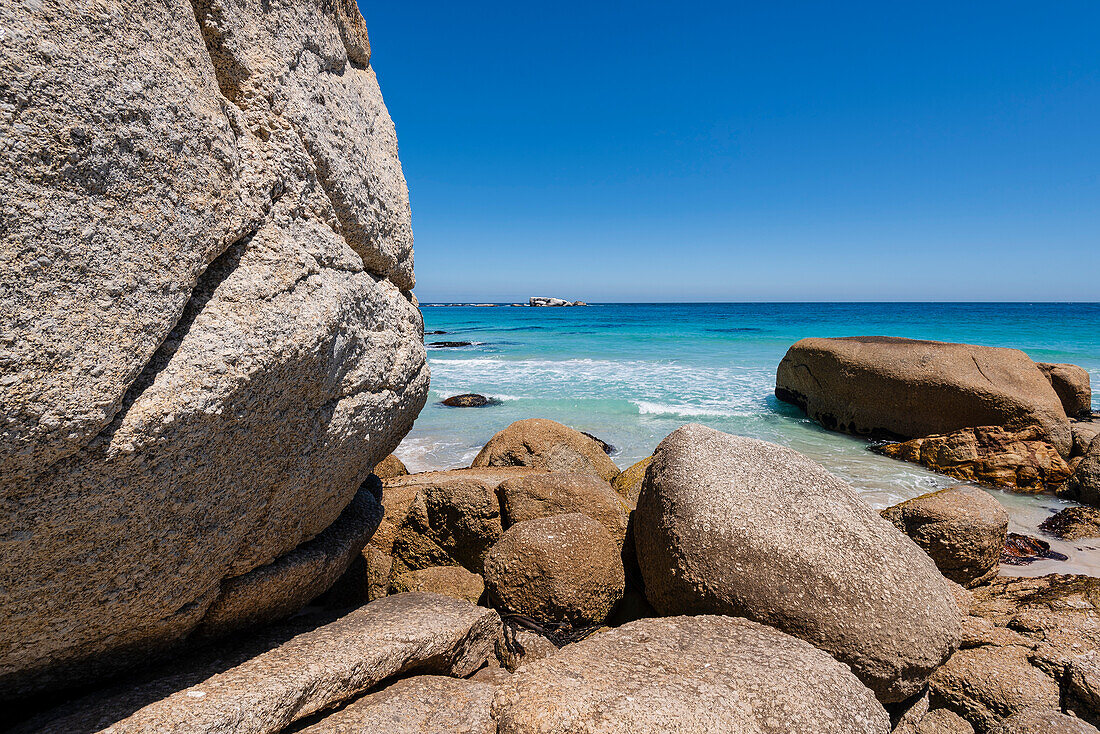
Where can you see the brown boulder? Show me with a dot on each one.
(1071, 383)
(990, 455)
(988, 684)
(1073, 523)
(554, 493)
(629, 482)
(1084, 485)
(546, 444)
(559, 569)
(962, 528)
(887, 387)
(469, 400)
(389, 467)
(453, 581)
(519, 646)
(449, 523)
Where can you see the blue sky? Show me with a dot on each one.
(701, 151)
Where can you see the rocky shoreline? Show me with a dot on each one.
(211, 348)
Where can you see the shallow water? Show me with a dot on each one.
(633, 373)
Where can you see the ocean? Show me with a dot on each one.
(632, 373)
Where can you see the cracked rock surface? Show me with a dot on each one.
(207, 335)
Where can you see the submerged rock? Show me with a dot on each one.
(962, 529)
(546, 444)
(210, 334)
(990, 455)
(1020, 550)
(559, 569)
(892, 388)
(469, 400)
(704, 674)
(449, 345)
(737, 526)
(1073, 523)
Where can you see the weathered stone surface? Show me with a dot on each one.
(988, 684)
(1017, 460)
(1084, 432)
(449, 523)
(209, 333)
(1084, 485)
(1073, 523)
(556, 493)
(1043, 721)
(629, 482)
(285, 680)
(424, 704)
(390, 467)
(701, 674)
(886, 387)
(546, 444)
(961, 528)
(743, 527)
(453, 581)
(1071, 383)
(287, 584)
(519, 646)
(564, 568)
(918, 719)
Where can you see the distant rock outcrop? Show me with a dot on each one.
(547, 301)
(208, 336)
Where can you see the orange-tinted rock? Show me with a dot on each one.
(989, 455)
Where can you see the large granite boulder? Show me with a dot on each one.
(208, 337)
(546, 444)
(1043, 721)
(556, 493)
(1072, 385)
(264, 683)
(731, 525)
(962, 529)
(702, 674)
(558, 569)
(453, 581)
(886, 387)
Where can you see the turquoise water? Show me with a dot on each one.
(632, 373)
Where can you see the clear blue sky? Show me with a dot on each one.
(736, 151)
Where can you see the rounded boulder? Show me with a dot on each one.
(732, 525)
(547, 444)
(557, 493)
(559, 569)
(961, 528)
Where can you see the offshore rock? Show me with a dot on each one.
(731, 525)
(208, 339)
(892, 388)
(704, 674)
